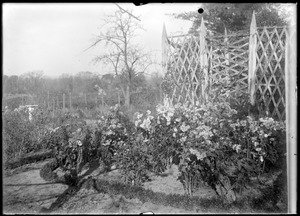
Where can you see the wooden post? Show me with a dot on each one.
(291, 116)
(227, 55)
(70, 101)
(64, 104)
(57, 102)
(203, 59)
(165, 46)
(96, 100)
(85, 101)
(252, 60)
(48, 104)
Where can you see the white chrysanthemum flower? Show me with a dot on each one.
(107, 143)
(146, 124)
(258, 149)
(79, 143)
(243, 123)
(183, 139)
(178, 119)
(238, 148)
(148, 112)
(184, 127)
(136, 123)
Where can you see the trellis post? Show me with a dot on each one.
(85, 101)
(57, 102)
(96, 100)
(203, 59)
(165, 45)
(291, 117)
(227, 55)
(252, 60)
(48, 100)
(64, 105)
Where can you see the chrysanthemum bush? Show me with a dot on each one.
(214, 146)
(211, 144)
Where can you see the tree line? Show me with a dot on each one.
(144, 89)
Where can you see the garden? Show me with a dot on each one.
(239, 159)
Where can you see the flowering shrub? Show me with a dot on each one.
(71, 145)
(112, 133)
(213, 146)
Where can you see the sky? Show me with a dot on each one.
(51, 37)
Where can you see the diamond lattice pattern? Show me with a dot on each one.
(270, 58)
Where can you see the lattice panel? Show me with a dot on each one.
(228, 60)
(270, 84)
(185, 67)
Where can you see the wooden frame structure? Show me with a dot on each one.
(251, 63)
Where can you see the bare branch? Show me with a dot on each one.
(127, 12)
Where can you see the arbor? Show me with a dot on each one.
(126, 58)
(235, 17)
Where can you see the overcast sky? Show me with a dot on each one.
(52, 37)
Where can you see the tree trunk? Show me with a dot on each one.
(127, 96)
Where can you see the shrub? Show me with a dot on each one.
(213, 146)
(21, 135)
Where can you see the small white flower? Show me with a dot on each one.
(79, 143)
(109, 132)
(256, 144)
(183, 139)
(140, 115)
(107, 143)
(238, 147)
(243, 123)
(175, 129)
(178, 119)
(261, 158)
(184, 127)
(148, 112)
(266, 135)
(258, 149)
(136, 123)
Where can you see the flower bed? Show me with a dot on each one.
(211, 144)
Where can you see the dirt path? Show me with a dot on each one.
(27, 192)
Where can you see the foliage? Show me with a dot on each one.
(213, 148)
(234, 17)
(214, 145)
(70, 143)
(22, 135)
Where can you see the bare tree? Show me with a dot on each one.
(127, 59)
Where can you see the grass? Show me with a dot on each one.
(28, 159)
(208, 205)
